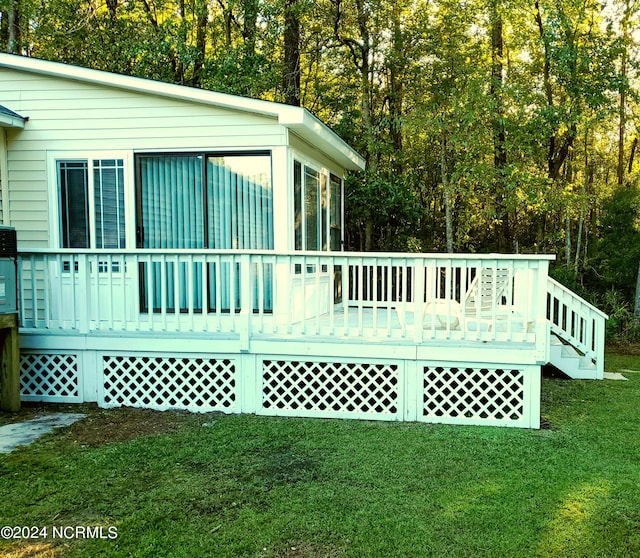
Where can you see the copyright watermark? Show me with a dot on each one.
(69, 532)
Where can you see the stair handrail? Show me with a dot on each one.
(577, 322)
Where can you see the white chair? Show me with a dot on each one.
(485, 301)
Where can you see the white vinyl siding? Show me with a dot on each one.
(67, 115)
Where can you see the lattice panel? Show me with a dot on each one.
(49, 377)
(330, 386)
(473, 393)
(164, 382)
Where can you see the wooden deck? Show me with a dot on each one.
(298, 334)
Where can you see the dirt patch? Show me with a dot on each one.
(33, 550)
(30, 411)
(303, 549)
(105, 426)
(284, 465)
(546, 424)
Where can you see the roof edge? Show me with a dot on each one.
(289, 116)
(10, 119)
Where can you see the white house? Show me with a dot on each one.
(183, 248)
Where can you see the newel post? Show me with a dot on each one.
(84, 290)
(540, 308)
(418, 298)
(599, 345)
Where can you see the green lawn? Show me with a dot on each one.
(267, 487)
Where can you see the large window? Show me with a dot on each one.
(91, 195)
(317, 200)
(203, 200)
(213, 201)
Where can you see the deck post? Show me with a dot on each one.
(9, 364)
(599, 346)
(246, 302)
(540, 306)
(90, 373)
(84, 291)
(412, 389)
(532, 387)
(250, 383)
(418, 299)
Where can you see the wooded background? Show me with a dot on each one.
(487, 125)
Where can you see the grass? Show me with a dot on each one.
(236, 486)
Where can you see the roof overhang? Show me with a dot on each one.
(10, 119)
(297, 119)
(310, 128)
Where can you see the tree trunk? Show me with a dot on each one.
(557, 150)
(567, 239)
(368, 235)
(227, 16)
(291, 76)
(178, 63)
(15, 35)
(622, 120)
(634, 146)
(569, 178)
(622, 92)
(112, 6)
(250, 20)
(444, 174)
(499, 136)
(202, 18)
(636, 307)
(396, 89)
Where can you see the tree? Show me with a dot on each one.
(291, 35)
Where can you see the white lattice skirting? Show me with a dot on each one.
(473, 393)
(168, 383)
(51, 377)
(275, 385)
(318, 388)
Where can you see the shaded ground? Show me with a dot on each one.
(104, 426)
(624, 348)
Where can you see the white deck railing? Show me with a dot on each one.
(347, 295)
(576, 321)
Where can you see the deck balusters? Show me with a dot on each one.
(351, 295)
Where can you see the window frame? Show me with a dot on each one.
(324, 225)
(55, 213)
(137, 218)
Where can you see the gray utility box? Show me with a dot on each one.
(8, 266)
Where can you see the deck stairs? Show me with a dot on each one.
(576, 334)
(571, 361)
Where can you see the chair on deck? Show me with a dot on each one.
(486, 298)
(484, 302)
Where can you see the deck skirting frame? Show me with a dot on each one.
(278, 383)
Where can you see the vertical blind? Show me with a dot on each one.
(108, 194)
(178, 194)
